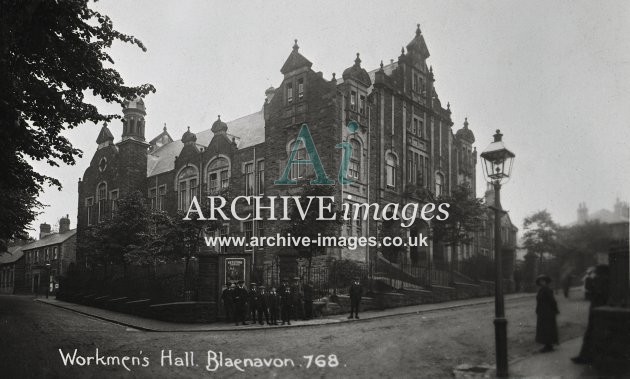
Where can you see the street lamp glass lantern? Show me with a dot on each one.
(497, 161)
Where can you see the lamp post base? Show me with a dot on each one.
(500, 336)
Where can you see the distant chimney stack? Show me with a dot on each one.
(64, 224)
(269, 94)
(44, 230)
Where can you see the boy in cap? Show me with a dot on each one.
(253, 300)
(272, 303)
(261, 305)
(356, 291)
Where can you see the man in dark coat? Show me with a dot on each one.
(228, 302)
(240, 303)
(286, 304)
(273, 301)
(308, 301)
(546, 311)
(356, 292)
(261, 305)
(253, 301)
(600, 290)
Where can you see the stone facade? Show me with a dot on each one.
(404, 147)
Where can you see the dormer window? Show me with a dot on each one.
(300, 88)
(289, 92)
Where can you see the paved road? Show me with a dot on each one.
(427, 345)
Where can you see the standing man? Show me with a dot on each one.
(286, 303)
(253, 301)
(546, 311)
(272, 303)
(240, 303)
(308, 301)
(356, 292)
(261, 305)
(228, 301)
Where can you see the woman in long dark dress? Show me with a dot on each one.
(546, 311)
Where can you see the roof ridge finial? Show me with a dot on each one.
(164, 127)
(418, 31)
(466, 122)
(295, 45)
(402, 50)
(381, 65)
(219, 116)
(189, 128)
(357, 61)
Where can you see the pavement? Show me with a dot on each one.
(556, 364)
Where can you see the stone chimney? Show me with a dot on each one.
(44, 230)
(582, 214)
(269, 94)
(64, 224)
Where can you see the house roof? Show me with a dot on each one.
(606, 217)
(49, 240)
(246, 131)
(13, 254)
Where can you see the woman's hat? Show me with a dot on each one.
(546, 278)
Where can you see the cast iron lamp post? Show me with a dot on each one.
(497, 164)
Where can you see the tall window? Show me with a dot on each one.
(300, 88)
(358, 222)
(354, 170)
(113, 196)
(249, 179)
(224, 231)
(353, 100)
(289, 92)
(102, 200)
(187, 182)
(161, 197)
(414, 126)
(299, 170)
(89, 206)
(390, 170)
(153, 197)
(261, 177)
(439, 184)
(218, 174)
(362, 104)
(55, 253)
(260, 230)
(248, 228)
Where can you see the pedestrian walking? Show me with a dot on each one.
(356, 292)
(600, 290)
(286, 304)
(308, 301)
(261, 305)
(227, 296)
(546, 311)
(273, 302)
(240, 303)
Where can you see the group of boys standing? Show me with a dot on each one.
(286, 303)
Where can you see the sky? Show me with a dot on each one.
(553, 76)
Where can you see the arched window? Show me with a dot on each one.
(439, 184)
(101, 198)
(187, 182)
(354, 171)
(391, 164)
(218, 174)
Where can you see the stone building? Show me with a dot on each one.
(49, 258)
(405, 146)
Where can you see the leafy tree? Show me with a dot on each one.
(466, 215)
(184, 238)
(540, 235)
(309, 226)
(51, 54)
(578, 244)
(119, 239)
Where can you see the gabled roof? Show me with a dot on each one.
(13, 254)
(418, 44)
(295, 61)
(246, 131)
(49, 240)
